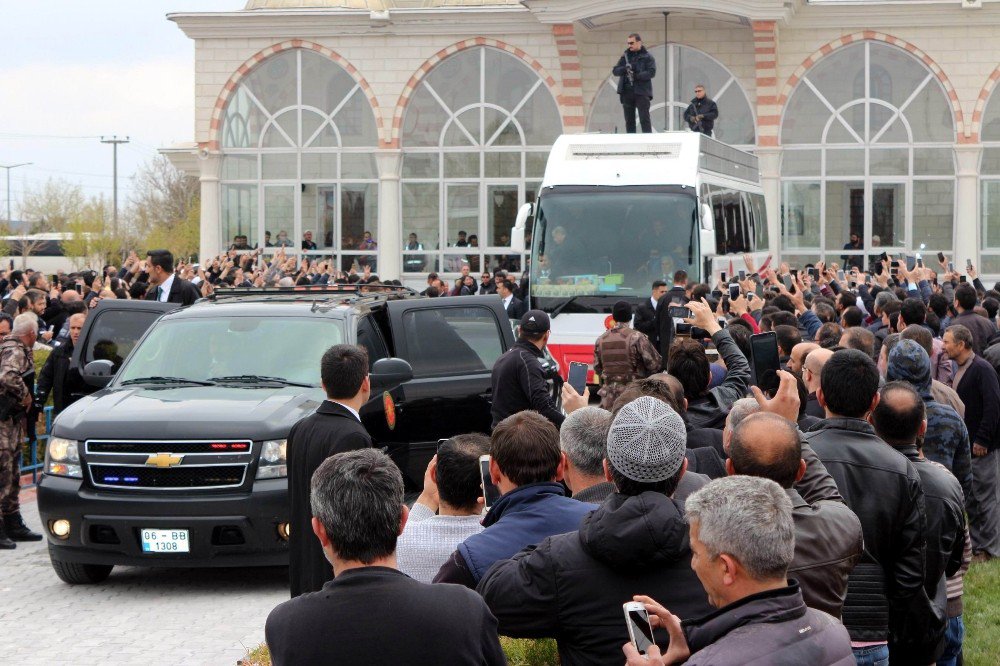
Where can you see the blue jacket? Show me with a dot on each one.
(523, 517)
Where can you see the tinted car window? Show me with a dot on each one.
(204, 348)
(451, 341)
(115, 333)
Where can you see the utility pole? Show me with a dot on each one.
(9, 167)
(667, 63)
(114, 141)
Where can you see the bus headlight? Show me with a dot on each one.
(273, 464)
(62, 458)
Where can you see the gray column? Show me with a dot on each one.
(390, 242)
(769, 161)
(211, 243)
(967, 231)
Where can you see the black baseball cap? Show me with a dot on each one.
(534, 322)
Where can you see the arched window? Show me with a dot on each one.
(678, 71)
(867, 139)
(297, 138)
(475, 137)
(989, 174)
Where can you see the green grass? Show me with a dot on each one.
(981, 613)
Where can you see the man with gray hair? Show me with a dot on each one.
(743, 540)
(358, 513)
(17, 385)
(582, 439)
(571, 586)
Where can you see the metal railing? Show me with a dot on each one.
(35, 466)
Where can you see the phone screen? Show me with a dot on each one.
(679, 312)
(490, 492)
(743, 275)
(764, 361)
(787, 279)
(962, 279)
(911, 263)
(840, 276)
(578, 376)
(968, 263)
(941, 257)
(734, 292)
(639, 629)
(723, 277)
(951, 267)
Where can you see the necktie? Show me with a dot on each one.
(159, 292)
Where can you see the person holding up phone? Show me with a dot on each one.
(742, 536)
(622, 355)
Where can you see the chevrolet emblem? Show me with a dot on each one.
(164, 460)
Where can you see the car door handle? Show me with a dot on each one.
(488, 395)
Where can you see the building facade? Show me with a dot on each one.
(405, 134)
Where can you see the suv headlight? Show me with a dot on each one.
(62, 458)
(273, 464)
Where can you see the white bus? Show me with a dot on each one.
(616, 212)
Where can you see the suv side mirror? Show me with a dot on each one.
(388, 373)
(517, 232)
(99, 373)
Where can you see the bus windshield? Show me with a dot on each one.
(611, 242)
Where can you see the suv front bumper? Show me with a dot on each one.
(217, 523)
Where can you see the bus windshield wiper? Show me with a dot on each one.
(260, 379)
(156, 379)
(562, 306)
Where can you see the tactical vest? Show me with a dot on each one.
(613, 349)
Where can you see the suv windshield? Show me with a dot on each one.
(612, 241)
(287, 348)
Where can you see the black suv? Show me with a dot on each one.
(180, 459)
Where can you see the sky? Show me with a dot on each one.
(72, 71)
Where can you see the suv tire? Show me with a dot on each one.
(81, 574)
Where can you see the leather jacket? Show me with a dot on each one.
(710, 410)
(883, 488)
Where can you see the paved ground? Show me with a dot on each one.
(137, 616)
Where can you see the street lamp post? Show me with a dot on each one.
(9, 167)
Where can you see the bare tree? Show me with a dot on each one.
(46, 209)
(163, 208)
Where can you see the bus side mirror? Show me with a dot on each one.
(707, 219)
(517, 233)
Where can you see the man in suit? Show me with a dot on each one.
(645, 314)
(166, 287)
(511, 303)
(977, 386)
(371, 612)
(335, 427)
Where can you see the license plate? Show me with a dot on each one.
(165, 541)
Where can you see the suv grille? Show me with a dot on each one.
(173, 447)
(189, 476)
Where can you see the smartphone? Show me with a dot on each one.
(490, 492)
(723, 277)
(941, 257)
(968, 263)
(794, 272)
(951, 267)
(920, 261)
(884, 256)
(911, 263)
(759, 290)
(764, 361)
(734, 292)
(441, 442)
(814, 273)
(894, 268)
(787, 279)
(79, 288)
(640, 632)
(680, 312)
(743, 275)
(578, 376)
(840, 275)
(962, 279)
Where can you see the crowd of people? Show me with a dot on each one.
(821, 522)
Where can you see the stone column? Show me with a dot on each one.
(967, 232)
(768, 112)
(571, 99)
(769, 160)
(211, 241)
(390, 243)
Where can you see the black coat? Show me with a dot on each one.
(516, 309)
(181, 292)
(572, 586)
(64, 383)
(645, 320)
(332, 429)
(644, 69)
(519, 384)
(377, 615)
(883, 489)
(980, 393)
(707, 109)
